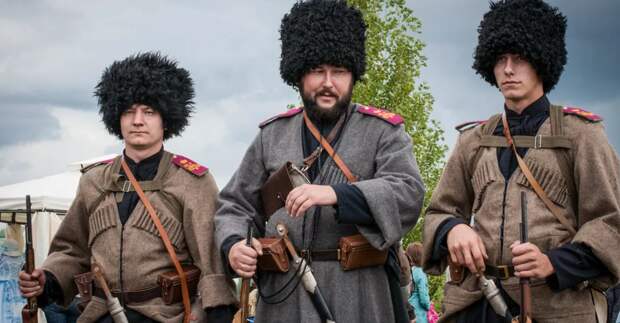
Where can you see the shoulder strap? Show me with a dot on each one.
(534, 183)
(164, 238)
(557, 139)
(557, 120)
(487, 130)
(343, 167)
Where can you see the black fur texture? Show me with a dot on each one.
(150, 79)
(319, 32)
(530, 28)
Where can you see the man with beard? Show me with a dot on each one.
(377, 193)
(144, 100)
(559, 157)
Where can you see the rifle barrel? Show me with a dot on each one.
(30, 310)
(526, 296)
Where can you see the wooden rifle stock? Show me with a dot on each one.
(30, 310)
(526, 294)
(244, 294)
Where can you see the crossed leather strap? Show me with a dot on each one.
(534, 183)
(164, 238)
(325, 144)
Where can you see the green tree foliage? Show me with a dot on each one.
(394, 59)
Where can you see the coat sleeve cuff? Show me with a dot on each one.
(216, 282)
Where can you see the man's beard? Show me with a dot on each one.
(326, 115)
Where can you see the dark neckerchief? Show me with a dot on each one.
(145, 170)
(525, 124)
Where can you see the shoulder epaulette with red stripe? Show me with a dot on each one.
(86, 168)
(385, 115)
(287, 114)
(583, 114)
(469, 125)
(189, 165)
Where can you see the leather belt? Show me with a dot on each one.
(322, 255)
(502, 272)
(131, 297)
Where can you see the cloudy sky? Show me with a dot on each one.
(52, 54)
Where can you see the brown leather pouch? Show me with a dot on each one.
(170, 284)
(278, 185)
(356, 252)
(84, 283)
(274, 256)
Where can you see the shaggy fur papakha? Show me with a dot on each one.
(530, 28)
(150, 79)
(319, 32)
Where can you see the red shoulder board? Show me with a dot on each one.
(469, 125)
(386, 115)
(583, 114)
(189, 165)
(289, 113)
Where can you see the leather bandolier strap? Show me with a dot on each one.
(533, 182)
(164, 238)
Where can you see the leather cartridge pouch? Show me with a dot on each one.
(356, 252)
(278, 185)
(274, 258)
(84, 283)
(170, 284)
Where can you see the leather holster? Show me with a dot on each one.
(274, 258)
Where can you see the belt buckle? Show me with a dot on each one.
(503, 272)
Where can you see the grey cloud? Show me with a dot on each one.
(22, 123)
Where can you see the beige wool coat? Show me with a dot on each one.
(133, 255)
(583, 181)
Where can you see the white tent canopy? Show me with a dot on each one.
(50, 196)
(50, 192)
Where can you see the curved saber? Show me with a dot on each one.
(307, 278)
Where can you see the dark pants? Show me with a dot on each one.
(56, 314)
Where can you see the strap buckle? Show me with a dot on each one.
(538, 142)
(503, 272)
(126, 186)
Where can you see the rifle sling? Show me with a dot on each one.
(164, 238)
(534, 183)
(343, 167)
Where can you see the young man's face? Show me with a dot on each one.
(327, 88)
(142, 127)
(517, 80)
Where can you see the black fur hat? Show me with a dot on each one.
(530, 28)
(150, 79)
(319, 32)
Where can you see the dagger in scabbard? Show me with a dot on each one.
(307, 278)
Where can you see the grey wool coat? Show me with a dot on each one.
(582, 180)
(380, 154)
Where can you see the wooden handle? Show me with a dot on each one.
(100, 277)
